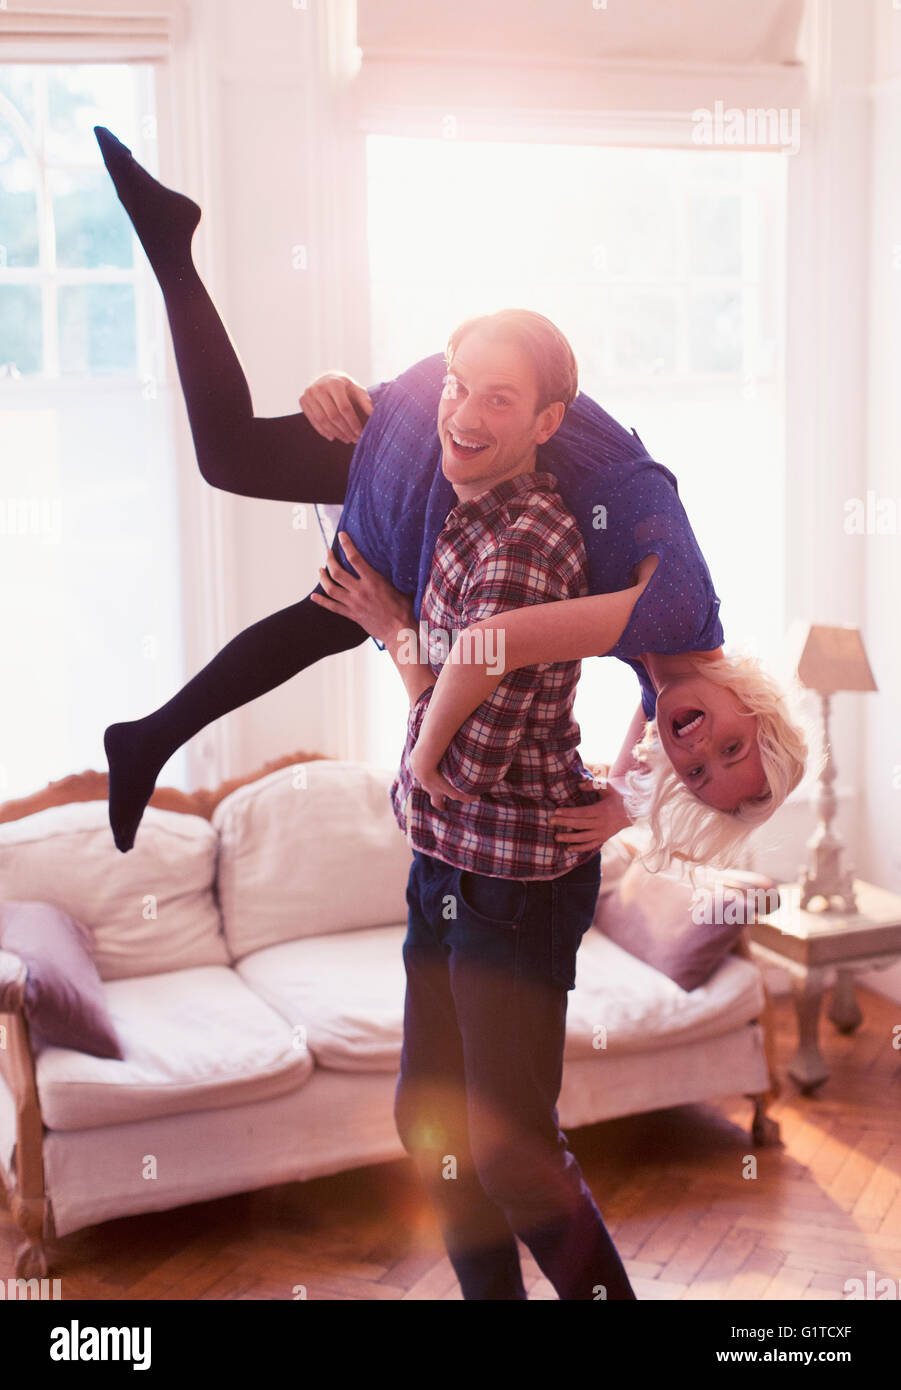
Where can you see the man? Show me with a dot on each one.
(497, 905)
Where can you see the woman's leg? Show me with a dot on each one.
(257, 660)
(281, 458)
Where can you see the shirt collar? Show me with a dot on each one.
(489, 503)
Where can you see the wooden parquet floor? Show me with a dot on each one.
(824, 1207)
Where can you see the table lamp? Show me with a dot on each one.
(829, 659)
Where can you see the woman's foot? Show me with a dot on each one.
(165, 221)
(133, 769)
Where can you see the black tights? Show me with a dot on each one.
(282, 459)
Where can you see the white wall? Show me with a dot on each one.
(826, 386)
(254, 140)
(880, 858)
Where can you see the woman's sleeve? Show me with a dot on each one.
(679, 609)
(328, 514)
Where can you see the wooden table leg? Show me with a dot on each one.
(844, 1009)
(808, 1066)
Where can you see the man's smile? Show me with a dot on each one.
(463, 448)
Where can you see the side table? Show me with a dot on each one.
(808, 944)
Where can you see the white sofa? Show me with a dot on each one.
(252, 966)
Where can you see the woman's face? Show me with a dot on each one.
(711, 741)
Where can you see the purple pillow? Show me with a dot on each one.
(64, 1000)
(662, 922)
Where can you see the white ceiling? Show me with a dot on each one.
(680, 31)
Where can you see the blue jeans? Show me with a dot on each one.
(489, 965)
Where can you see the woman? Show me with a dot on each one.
(396, 500)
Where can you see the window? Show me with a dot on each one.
(665, 270)
(89, 584)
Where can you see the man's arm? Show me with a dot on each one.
(548, 632)
(478, 754)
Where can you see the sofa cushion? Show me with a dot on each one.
(192, 1040)
(308, 850)
(621, 1004)
(347, 993)
(148, 911)
(680, 930)
(64, 1000)
(618, 854)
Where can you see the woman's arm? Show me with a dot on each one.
(542, 633)
(625, 761)
(337, 406)
(416, 675)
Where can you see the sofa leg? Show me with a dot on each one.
(764, 1129)
(31, 1256)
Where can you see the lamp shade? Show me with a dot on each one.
(828, 659)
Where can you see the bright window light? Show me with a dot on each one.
(665, 270)
(90, 602)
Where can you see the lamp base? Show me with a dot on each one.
(824, 877)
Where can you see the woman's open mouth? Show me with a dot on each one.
(686, 721)
(465, 449)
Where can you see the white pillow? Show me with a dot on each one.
(149, 911)
(310, 849)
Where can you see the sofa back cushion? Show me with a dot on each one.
(148, 911)
(308, 850)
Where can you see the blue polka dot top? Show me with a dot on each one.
(626, 505)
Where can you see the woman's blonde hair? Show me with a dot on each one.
(684, 827)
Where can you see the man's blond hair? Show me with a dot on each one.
(554, 361)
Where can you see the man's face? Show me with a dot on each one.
(711, 741)
(487, 423)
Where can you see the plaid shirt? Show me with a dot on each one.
(513, 545)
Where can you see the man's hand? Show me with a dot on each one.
(372, 601)
(592, 826)
(337, 406)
